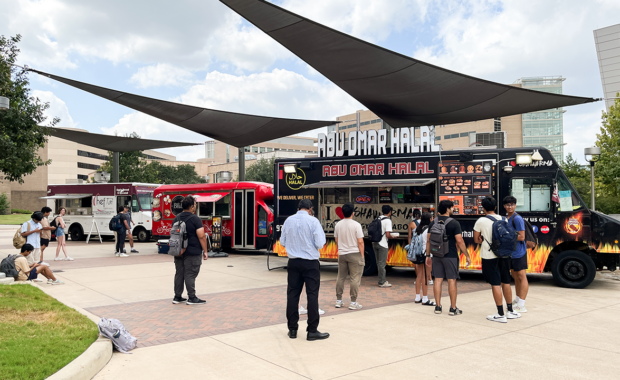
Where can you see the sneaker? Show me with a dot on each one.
(302, 310)
(177, 300)
(37, 280)
(513, 315)
(123, 255)
(57, 259)
(339, 304)
(57, 282)
(354, 306)
(385, 285)
(497, 318)
(455, 311)
(44, 263)
(117, 254)
(437, 309)
(519, 309)
(196, 301)
(124, 250)
(430, 282)
(134, 251)
(515, 302)
(321, 311)
(68, 258)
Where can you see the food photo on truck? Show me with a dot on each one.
(409, 171)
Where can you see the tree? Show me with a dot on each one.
(21, 131)
(608, 167)
(579, 176)
(261, 171)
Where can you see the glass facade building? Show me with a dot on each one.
(544, 128)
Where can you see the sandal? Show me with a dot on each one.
(429, 303)
(420, 301)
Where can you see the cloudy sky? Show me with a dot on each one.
(199, 52)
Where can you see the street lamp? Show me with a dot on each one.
(592, 155)
(4, 103)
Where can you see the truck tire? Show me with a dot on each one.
(142, 235)
(76, 233)
(573, 269)
(370, 263)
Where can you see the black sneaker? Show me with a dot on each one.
(437, 309)
(177, 300)
(456, 311)
(196, 301)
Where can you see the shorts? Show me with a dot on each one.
(419, 260)
(446, 268)
(33, 274)
(45, 242)
(496, 271)
(519, 264)
(60, 232)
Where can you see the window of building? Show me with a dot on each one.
(92, 155)
(263, 149)
(454, 136)
(437, 138)
(83, 165)
(497, 124)
(149, 157)
(255, 149)
(464, 134)
(248, 149)
(269, 149)
(446, 137)
(82, 176)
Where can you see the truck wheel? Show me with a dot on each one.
(76, 233)
(370, 263)
(143, 235)
(573, 269)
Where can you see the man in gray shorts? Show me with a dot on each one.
(447, 267)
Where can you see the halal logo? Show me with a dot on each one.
(296, 180)
(573, 226)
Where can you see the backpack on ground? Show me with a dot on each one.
(375, 230)
(178, 238)
(18, 239)
(439, 239)
(114, 330)
(416, 248)
(116, 223)
(7, 266)
(504, 240)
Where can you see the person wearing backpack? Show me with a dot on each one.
(518, 261)
(30, 272)
(381, 246)
(121, 232)
(444, 240)
(187, 264)
(61, 236)
(418, 234)
(417, 215)
(496, 270)
(31, 230)
(350, 241)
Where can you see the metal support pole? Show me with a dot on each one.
(241, 164)
(115, 165)
(592, 185)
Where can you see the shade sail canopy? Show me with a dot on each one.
(235, 129)
(401, 90)
(114, 143)
(210, 197)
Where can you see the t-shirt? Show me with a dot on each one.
(484, 225)
(126, 217)
(452, 229)
(386, 226)
(21, 264)
(519, 225)
(192, 223)
(348, 231)
(34, 239)
(45, 234)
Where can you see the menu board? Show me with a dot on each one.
(466, 184)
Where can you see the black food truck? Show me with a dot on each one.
(408, 173)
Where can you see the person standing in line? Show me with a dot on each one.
(121, 233)
(421, 230)
(303, 310)
(31, 230)
(447, 267)
(382, 248)
(187, 266)
(130, 224)
(303, 236)
(46, 234)
(61, 236)
(518, 261)
(349, 238)
(496, 270)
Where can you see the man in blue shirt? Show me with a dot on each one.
(303, 236)
(518, 263)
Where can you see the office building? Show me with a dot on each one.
(607, 42)
(217, 152)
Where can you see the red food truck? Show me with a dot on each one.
(246, 209)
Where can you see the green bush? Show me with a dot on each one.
(19, 211)
(4, 203)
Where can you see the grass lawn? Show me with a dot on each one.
(14, 219)
(39, 335)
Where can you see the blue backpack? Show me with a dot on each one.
(504, 241)
(116, 223)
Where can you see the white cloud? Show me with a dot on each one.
(162, 74)
(58, 108)
(580, 132)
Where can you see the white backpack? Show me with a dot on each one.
(416, 249)
(114, 330)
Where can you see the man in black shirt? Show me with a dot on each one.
(447, 267)
(188, 264)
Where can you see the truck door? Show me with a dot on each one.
(244, 219)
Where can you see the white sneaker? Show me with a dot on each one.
(321, 311)
(57, 282)
(44, 263)
(519, 309)
(339, 304)
(497, 318)
(513, 315)
(116, 254)
(68, 258)
(354, 306)
(58, 259)
(430, 282)
(123, 255)
(385, 285)
(37, 280)
(302, 310)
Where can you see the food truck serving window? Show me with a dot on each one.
(533, 194)
(569, 200)
(210, 201)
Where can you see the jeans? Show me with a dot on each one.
(187, 269)
(381, 255)
(349, 264)
(120, 240)
(302, 272)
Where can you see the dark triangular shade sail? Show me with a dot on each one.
(401, 90)
(114, 143)
(232, 128)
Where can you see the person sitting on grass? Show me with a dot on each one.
(29, 272)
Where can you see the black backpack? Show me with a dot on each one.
(531, 240)
(53, 223)
(375, 233)
(116, 223)
(8, 266)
